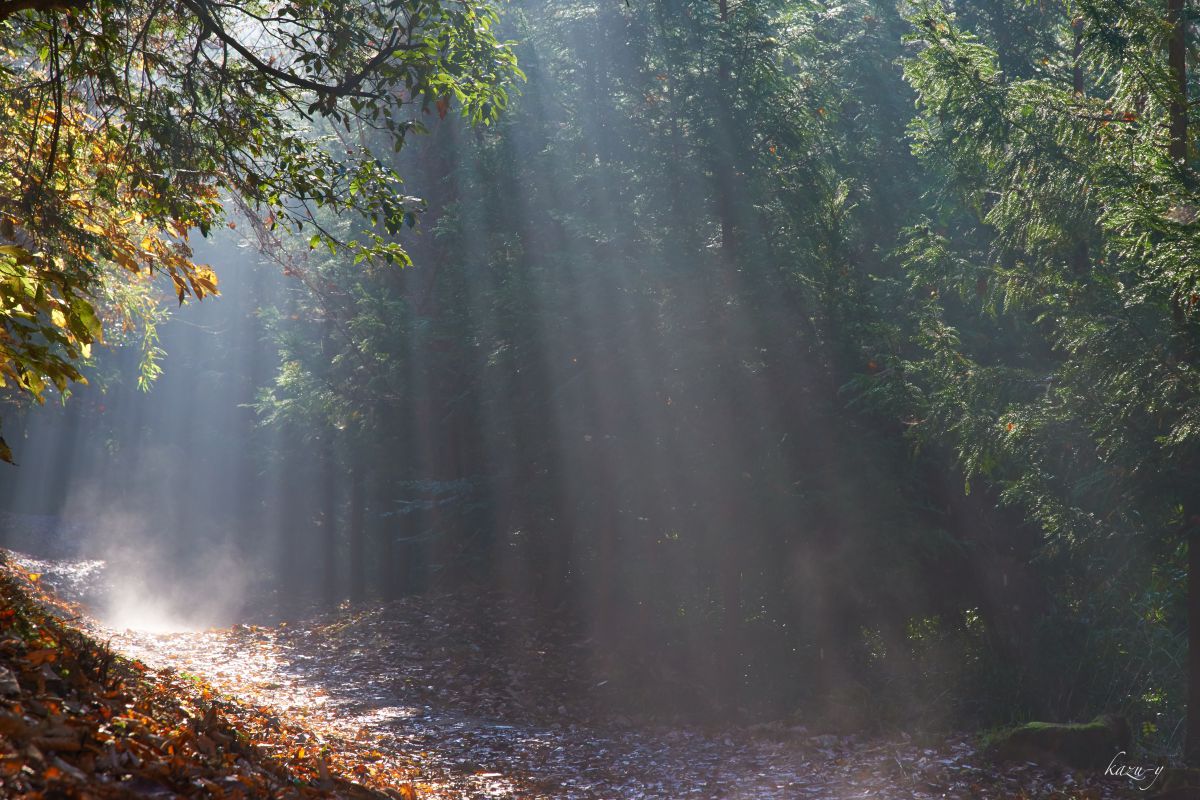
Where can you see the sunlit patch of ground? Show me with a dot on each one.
(413, 690)
(459, 697)
(129, 614)
(70, 578)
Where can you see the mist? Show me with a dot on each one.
(671, 407)
(159, 484)
(580, 394)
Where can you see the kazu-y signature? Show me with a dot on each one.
(1142, 777)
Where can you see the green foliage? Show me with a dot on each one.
(711, 333)
(123, 123)
(688, 207)
(1055, 333)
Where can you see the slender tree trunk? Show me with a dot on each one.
(1077, 57)
(328, 493)
(1177, 63)
(1178, 151)
(357, 534)
(65, 454)
(387, 571)
(1080, 258)
(731, 658)
(293, 523)
(729, 551)
(726, 173)
(328, 523)
(1191, 747)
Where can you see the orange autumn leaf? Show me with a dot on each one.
(44, 656)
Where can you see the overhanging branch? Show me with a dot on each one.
(10, 7)
(345, 88)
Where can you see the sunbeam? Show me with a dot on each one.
(576, 399)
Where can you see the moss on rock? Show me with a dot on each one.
(1081, 745)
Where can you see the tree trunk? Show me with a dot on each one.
(328, 523)
(726, 174)
(293, 524)
(1079, 258)
(1177, 63)
(1191, 747)
(328, 490)
(1178, 151)
(357, 534)
(383, 533)
(1077, 57)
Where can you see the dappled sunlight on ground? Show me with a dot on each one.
(460, 697)
(422, 699)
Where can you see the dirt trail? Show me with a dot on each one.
(467, 699)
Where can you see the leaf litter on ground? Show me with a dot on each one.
(78, 720)
(467, 695)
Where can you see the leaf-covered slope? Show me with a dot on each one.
(78, 721)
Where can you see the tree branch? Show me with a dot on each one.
(349, 86)
(10, 7)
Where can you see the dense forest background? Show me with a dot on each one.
(836, 359)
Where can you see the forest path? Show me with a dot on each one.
(465, 697)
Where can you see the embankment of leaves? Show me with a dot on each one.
(78, 721)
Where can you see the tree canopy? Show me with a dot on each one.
(827, 351)
(128, 126)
